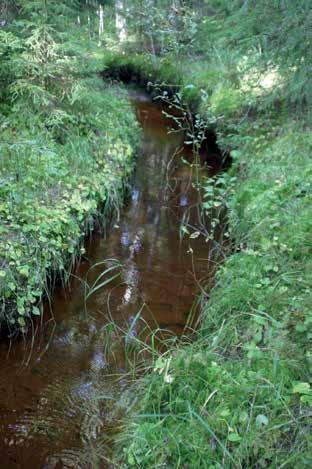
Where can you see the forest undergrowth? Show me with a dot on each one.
(67, 147)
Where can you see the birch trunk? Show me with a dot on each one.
(121, 24)
(101, 23)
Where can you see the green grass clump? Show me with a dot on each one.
(240, 395)
(211, 88)
(206, 411)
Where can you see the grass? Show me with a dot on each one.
(239, 395)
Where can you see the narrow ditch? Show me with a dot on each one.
(57, 388)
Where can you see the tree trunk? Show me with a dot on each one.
(101, 23)
(121, 24)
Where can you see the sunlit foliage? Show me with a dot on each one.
(66, 146)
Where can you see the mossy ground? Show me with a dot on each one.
(240, 395)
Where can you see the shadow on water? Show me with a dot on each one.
(50, 417)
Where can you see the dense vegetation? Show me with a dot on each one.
(239, 395)
(66, 145)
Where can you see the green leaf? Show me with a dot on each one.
(234, 437)
(24, 271)
(305, 399)
(301, 327)
(184, 230)
(21, 322)
(262, 420)
(36, 311)
(21, 310)
(243, 416)
(235, 154)
(302, 388)
(260, 320)
(195, 235)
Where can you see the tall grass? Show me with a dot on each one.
(240, 394)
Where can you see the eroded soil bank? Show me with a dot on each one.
(50, 383)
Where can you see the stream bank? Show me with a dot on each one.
(69, 176)
(240, 394)
(60, 389)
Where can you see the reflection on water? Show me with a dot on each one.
(50, 384)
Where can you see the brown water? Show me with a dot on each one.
(57, 387)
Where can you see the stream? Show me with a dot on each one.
(57, 386)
